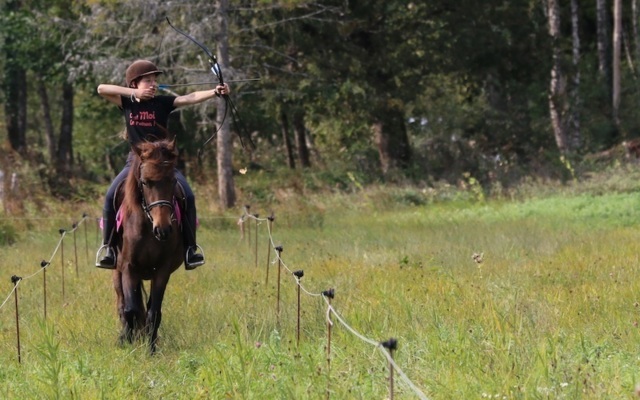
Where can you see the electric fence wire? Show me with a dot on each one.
(332, 310)
(46, 263)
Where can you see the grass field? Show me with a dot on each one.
(534, 299)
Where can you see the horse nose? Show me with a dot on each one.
(161, 233)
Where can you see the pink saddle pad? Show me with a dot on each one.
(119, 216)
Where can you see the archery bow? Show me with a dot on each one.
(215, 69)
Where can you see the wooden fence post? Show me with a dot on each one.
(43, 265)
(391, 345)
(62, 231)
(298, 274)
(270, 223)
(329, 294)
(279, 250)
(15, 279)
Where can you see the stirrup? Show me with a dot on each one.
(189, 266)
(98, 259)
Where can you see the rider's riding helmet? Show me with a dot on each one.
(139, 69)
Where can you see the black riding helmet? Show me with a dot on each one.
(140, 68)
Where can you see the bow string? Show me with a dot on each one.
(229, 104)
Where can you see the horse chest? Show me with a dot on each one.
(150, 255)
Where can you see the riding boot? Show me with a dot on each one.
(108, 261)
(192, 259)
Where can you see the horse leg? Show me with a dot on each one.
(154, 308)
(133, 310)
(139, 320)
(117, 285)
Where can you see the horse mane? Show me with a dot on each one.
(160, 156)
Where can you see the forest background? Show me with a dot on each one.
(359, 109)
(344, 93)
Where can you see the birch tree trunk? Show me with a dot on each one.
(603, 44)
(557, 85)
(617, 36)
(224, 140)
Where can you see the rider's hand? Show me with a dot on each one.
(222, 90)
(146, 94)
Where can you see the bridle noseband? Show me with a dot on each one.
(160, 203)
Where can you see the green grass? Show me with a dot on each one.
(551, 312)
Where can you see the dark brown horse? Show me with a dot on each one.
(150, 246)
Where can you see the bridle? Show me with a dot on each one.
(159, 203)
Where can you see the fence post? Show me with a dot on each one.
(256, 244)
(298, 274)
(247, 207)
(43, 265)
(329, 294)
(75, 246)
(86, 237)
(391, 345)
(279, 250)
(62, 231)
(15, 279)
(270, 223)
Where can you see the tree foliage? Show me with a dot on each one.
(449, 87)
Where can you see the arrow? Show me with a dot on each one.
(165, 86)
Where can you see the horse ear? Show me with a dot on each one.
(137, 148)
(172, 143)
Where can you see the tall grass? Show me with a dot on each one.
(547, 308)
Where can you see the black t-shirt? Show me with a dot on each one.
(147, 120)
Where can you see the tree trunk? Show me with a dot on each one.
(46, 116)
(557, 85)
(284, 125)
(15, 106)
(636, 38)
(576, 101)
(301, 138)
(14, 86)
(224, 141)
(617, 35)
(391, 138)
(603, 45)
(627, 52)
(64, 159)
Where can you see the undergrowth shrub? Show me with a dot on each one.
(8, 233)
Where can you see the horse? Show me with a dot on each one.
(150, 246)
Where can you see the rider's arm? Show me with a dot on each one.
(113, 92)
(200, 96)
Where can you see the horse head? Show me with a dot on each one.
(156, 183)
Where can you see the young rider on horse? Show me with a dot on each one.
(146, 115)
